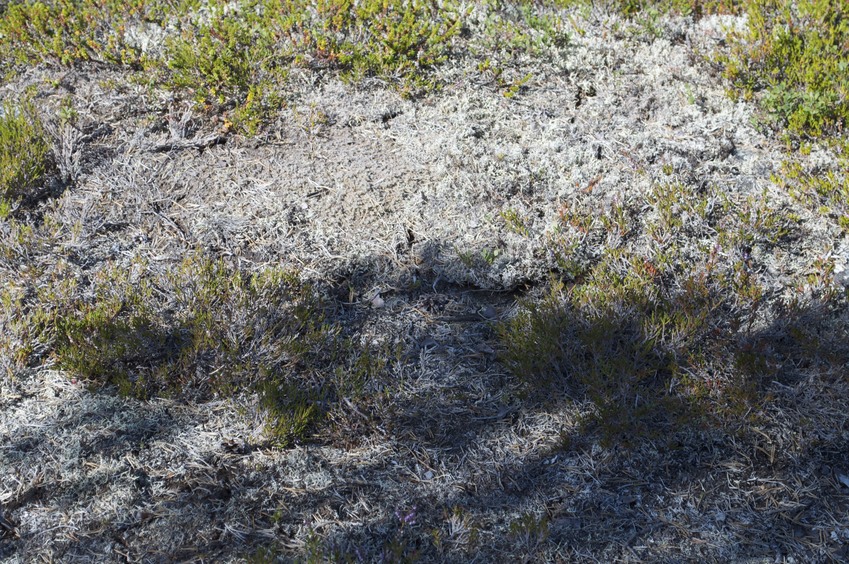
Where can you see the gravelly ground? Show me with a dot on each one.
(377, 196)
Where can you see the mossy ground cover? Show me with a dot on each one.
(356, 387)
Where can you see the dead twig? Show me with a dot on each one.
(181, 144)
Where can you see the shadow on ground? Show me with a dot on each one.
(498, 471)
(446, 455)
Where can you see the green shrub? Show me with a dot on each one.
(234, 61)
(646, 317)
(794, 58)
(197, 330)
(241, 56)
(234, 57)
(400, 40)
(215, 330)
(71, 31)
(25, 154)
(617, 341)
(193, 330)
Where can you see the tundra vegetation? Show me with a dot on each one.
(671, 318)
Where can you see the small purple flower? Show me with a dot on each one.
(408, 518)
